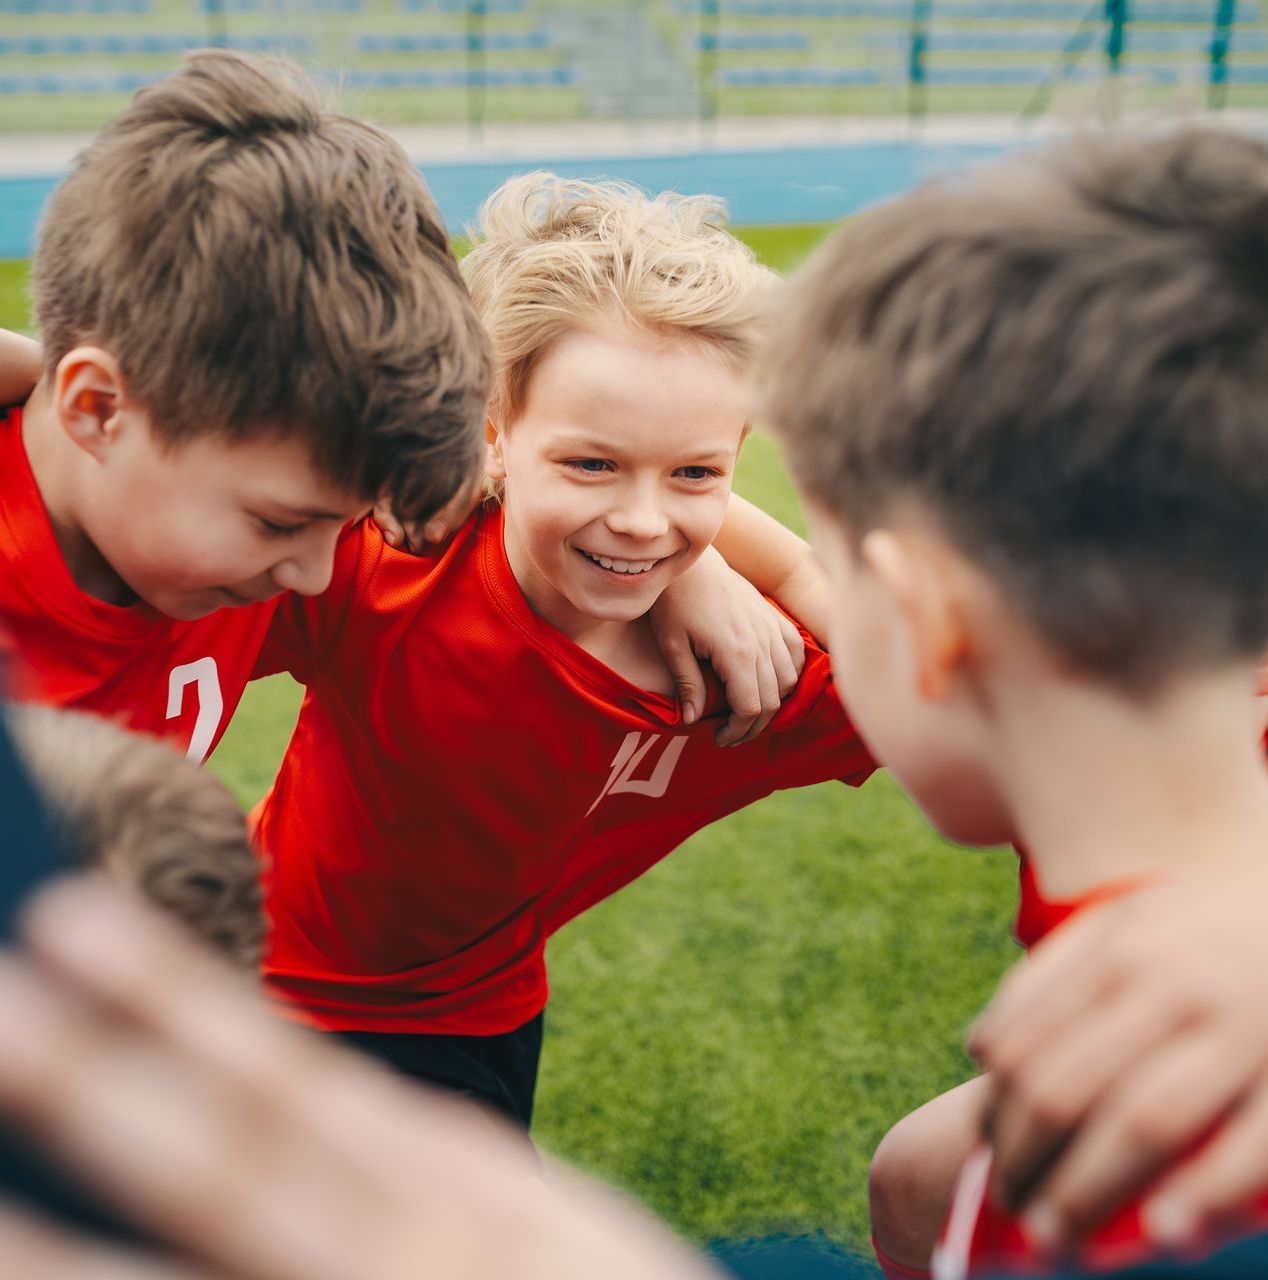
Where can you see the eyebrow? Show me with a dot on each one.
(584, 444)
(302, 513)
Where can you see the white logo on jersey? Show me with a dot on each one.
(627, 760)
(205, 678)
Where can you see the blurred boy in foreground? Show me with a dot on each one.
(1028, 414)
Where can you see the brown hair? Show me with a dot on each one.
(554, 255)
(258, 264)
(146, 817)
(1065, 362)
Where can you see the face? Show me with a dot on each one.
(210, 524)
(617, 472)
(895, 657)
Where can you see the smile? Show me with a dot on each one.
(631, 567)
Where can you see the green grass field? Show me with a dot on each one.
(730, 1036)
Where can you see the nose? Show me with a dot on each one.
(309, 564)
(639, 513)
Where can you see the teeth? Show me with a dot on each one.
(623, 566)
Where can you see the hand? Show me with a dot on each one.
(713, 614)
(428, 538)
(257, 1151)
(1119, 1044)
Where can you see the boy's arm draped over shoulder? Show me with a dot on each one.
(716, 612)
(21, 364)
(777, 562)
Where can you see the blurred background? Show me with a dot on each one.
(69, 64)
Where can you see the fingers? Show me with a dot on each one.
(1196, 1199)
(688, 677)
(1039, 1101)
(744, 697)
(1152, 1115)
(1061, 977)
(390, 527)
(788, 654)
(431, 536)
(769, 700)
(39, 1250)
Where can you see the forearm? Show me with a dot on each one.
(777, 562)
(21, 364)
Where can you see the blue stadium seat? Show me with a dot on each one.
(1138, 40)
(1177, 11)
(998, 76)
(461, 6)
(460, 78)
(753, 42)
(151, 43)
(455, 41)
(62, 7)
(77, 82)
(799, 77)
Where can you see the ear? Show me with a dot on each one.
(88, 394)
(494, 461)
(915, 573)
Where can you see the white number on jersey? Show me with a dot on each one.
(205, 677)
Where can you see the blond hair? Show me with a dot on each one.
(552, 256)
(260, 265)
(132, 808)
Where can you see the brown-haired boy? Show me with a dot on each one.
(253, 327)
(133, 808)
(1028, 414)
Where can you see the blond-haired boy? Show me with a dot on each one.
(490, 743)
(1028, 414)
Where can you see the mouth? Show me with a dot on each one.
(628, 569)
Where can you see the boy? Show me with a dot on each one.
(489, 744)
(132, 807)
(253, 327)
(1044, 516)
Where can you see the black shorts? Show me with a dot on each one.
(499, 1071)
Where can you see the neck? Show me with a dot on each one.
(1104, 789)
(57, 463)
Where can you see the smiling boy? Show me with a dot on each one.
(489, 744)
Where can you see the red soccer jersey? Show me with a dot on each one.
(980, 1239)
(180, 680)
(464, 779)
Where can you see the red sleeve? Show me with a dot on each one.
(812, 737)
(306, 628)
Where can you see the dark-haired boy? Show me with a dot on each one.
(253, 327)
(1044, 514)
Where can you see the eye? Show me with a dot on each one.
(589, 466)
(697, 475)
(271, 529)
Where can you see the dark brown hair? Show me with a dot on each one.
(260, 265)
(132, 808)
(1065, 362)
